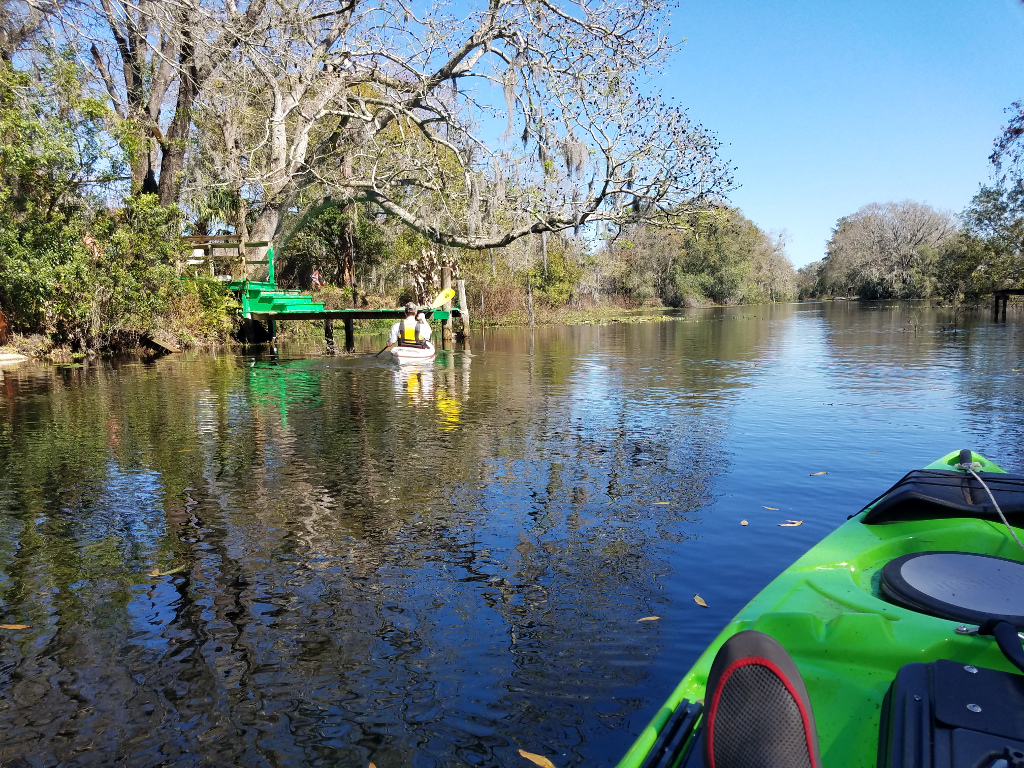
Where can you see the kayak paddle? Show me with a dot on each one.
(442, 298)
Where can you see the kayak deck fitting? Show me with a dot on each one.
(849, 639)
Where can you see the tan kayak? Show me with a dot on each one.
(413, 354)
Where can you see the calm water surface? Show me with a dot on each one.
(312, 561)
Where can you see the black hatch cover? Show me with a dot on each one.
(959, 586)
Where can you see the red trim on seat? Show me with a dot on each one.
(713, 709)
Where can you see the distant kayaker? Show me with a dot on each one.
(411, 331)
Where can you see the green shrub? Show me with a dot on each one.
(556, 285)
(84, 275)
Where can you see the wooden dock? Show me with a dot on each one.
(266, 303)
(1003, 295)
(263, 301)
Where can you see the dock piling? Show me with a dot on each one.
(447, 337)
(529, 300)
(463, 307)
(1001, 298)
(332, 348)
(350, 335)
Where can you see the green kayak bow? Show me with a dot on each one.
(903, 582)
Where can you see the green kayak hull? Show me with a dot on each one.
(846, 640)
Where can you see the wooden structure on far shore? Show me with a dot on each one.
(229, 252)
(1003, 295)
(263, 301)
(266, 302)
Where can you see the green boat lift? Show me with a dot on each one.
(264, 301)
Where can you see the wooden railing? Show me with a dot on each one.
(209, 245)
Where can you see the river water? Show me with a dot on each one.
(301, 560)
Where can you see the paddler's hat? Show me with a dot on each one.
(410, 308)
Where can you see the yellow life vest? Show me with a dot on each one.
(409, 334)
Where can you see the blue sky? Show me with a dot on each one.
(825, 107)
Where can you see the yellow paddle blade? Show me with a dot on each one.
(443, 298)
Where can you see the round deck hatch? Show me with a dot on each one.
(959, 586)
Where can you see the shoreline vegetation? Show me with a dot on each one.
(35, 347)
(311, 331)
(607, 200)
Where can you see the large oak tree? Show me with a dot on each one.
(473, 125)
(886, 250)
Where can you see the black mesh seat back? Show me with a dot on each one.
(758, 713)
(959, 586)
(928, 494)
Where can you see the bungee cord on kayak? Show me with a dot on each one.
(993, 499)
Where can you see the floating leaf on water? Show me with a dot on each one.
(663, 502)
(773, 509)
(155, 572)
(818, 473)
(648, 618)
(876, 451)
(700, 601)
(185, 450)
(173, 570)
(540, 760)
(744, 522)
(791, 523)
(13, 626)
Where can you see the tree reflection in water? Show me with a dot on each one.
(440, 565)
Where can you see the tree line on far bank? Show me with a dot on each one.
(909, 250)
(350, 136)
(362, 131)
(718, 257)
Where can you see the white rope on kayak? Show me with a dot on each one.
(995, 504)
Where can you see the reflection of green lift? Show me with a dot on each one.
(285, 384)
(264, 301)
